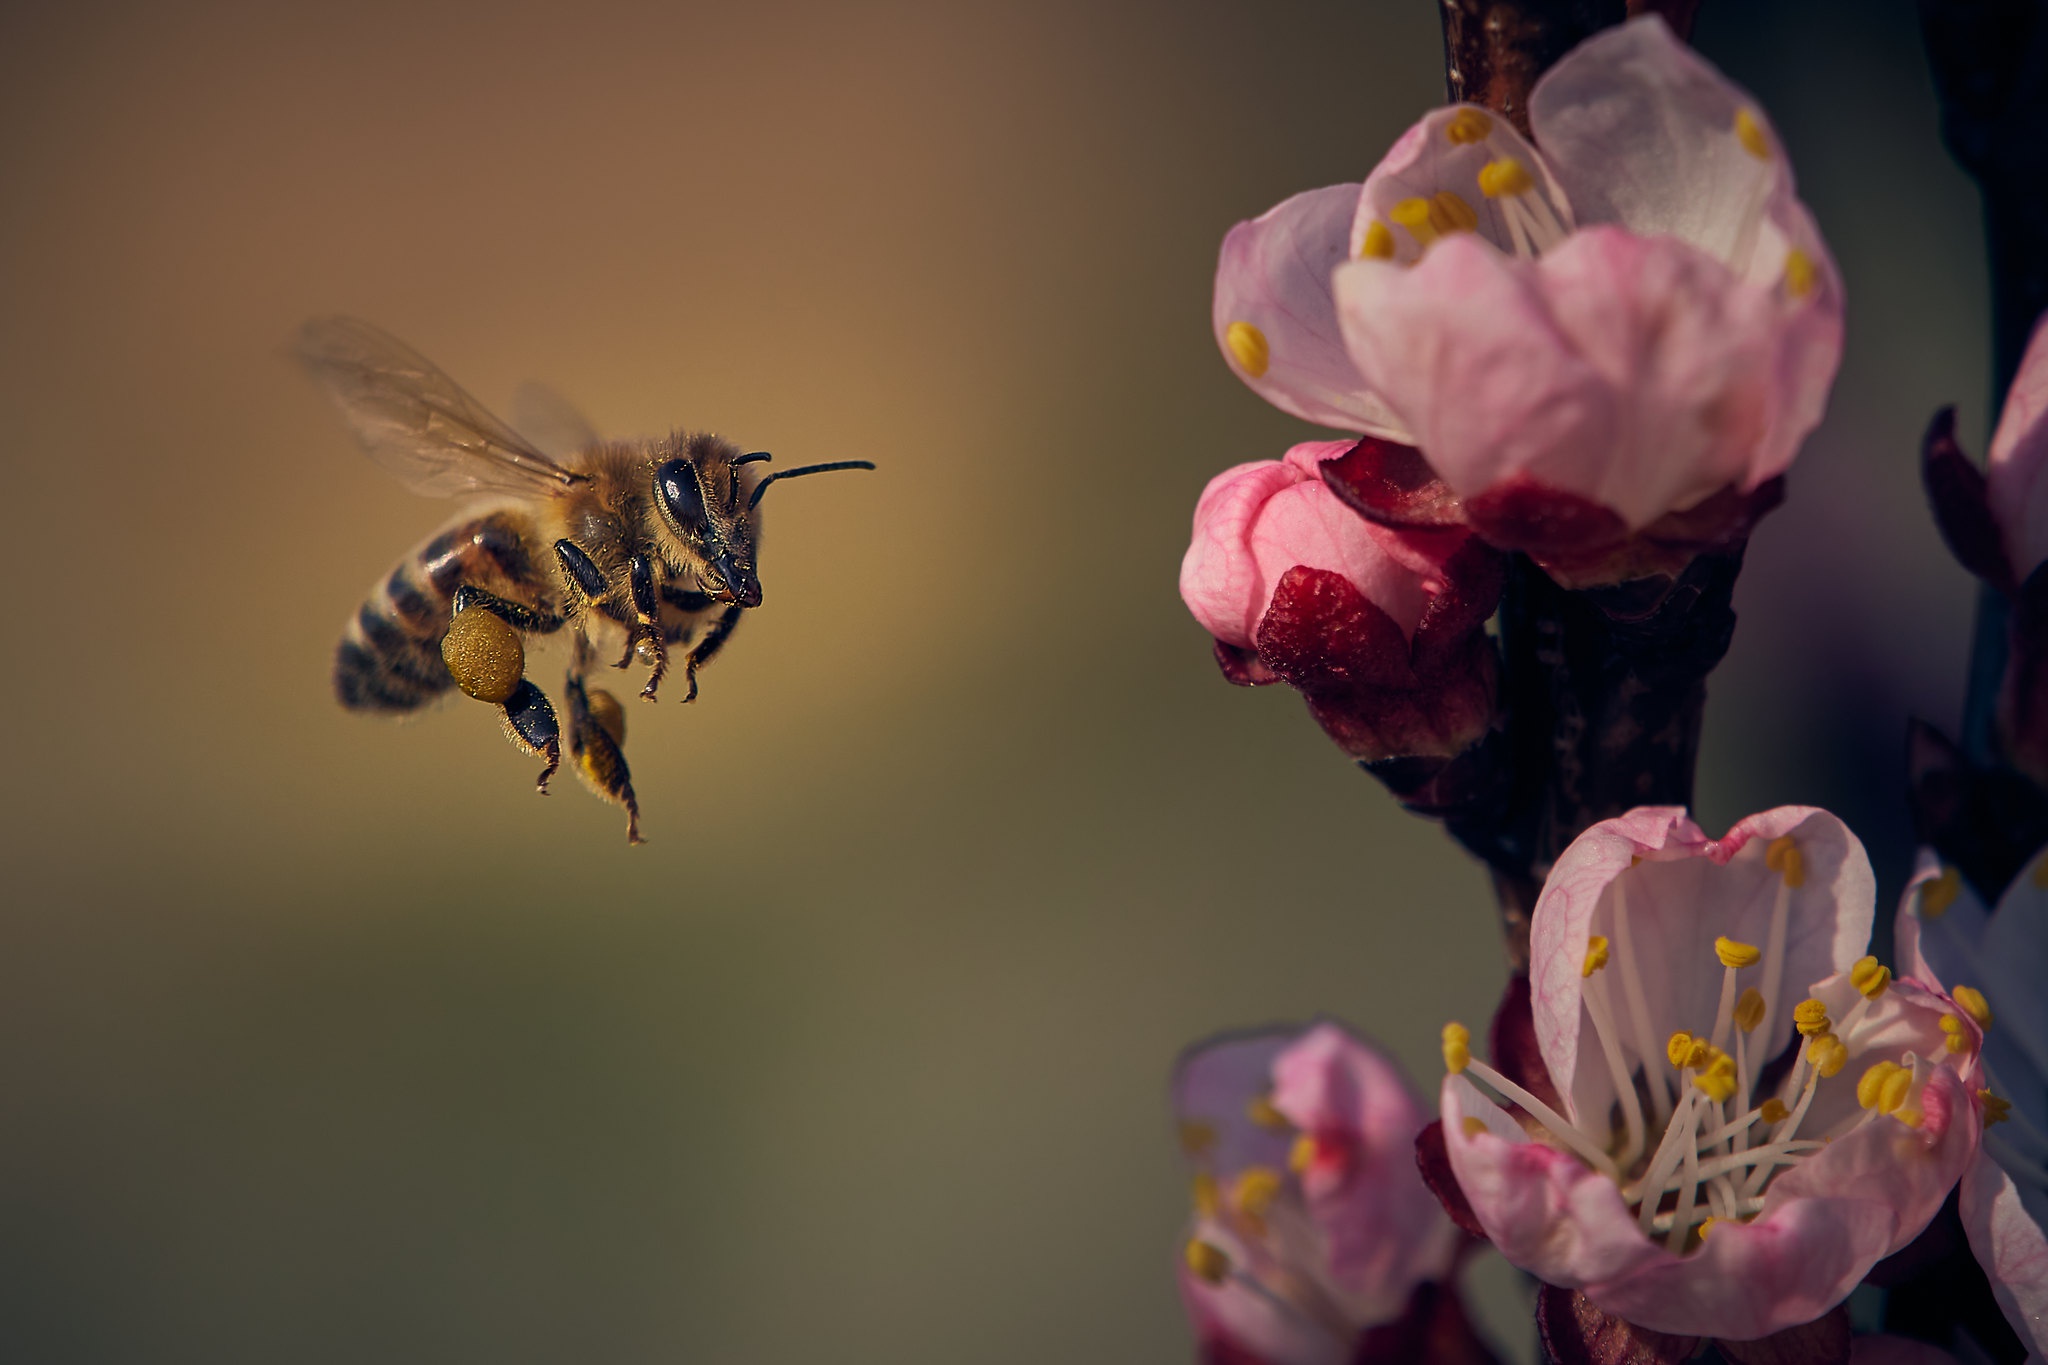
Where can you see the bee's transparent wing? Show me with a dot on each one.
(551, 421)
(416, 421)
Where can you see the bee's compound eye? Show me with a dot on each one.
(484, 655)
(609, 715)
(682, 497)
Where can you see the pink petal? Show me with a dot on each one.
(1386, 1232)
(1212, 1084)
(1636, 372)
(2019, 458)
(2008, 1240)
(1274, 275)
(1425, 162)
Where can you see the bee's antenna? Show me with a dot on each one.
(762, 487)
(755, 458)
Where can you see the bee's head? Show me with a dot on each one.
(703, 502)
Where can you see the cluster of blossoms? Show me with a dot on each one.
(1708, 1112)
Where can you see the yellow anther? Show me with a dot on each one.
(1596, 955)
(1996, 1108)
(1972, 1002)
(1800, 275)
(1256, 1189)
(1718, 1080)
(1248, 344)
(1870, 1088)
(1473, 1125)
(1828, 1054)
(1302, 1154)
(1938, 893)
(1468, 126)
(1197, 1137)
(1259, 1109)
(1750, 133)
(1414, 215)
(1733, 954)
(1207, 1197)
(1208, 1261)
(1782, 855)
(1505, 178)
(1891, 1096)
(1954, 1037)
(1457, 1048)
(1749, 1010)
(1773, 1110)
(1448, 212)
(1810, 1017)
(1679, 1049)
(1710, 1221)
(1379, 242)
(1870, 977)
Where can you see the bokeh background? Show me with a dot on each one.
(324, 1040)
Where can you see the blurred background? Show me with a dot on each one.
(323, 1040)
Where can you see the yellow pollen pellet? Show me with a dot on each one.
(1473, 1125)
(1954, 1037)
(1972, 1002)
(1773, 1110)
(1448, 212)
(1468, 126)
(1197, 1137)
(484, 655)
(1750, 133)
(1379, 242)
(1457, 1048)
(1939, 893)
(1800, 276)
(1782, 856)
(1870, 1088)
(1302, 1154)
(1505, 178)
(1996, 1108)
(1827, 1054)
(1259, 1109)
(1870, 977)
(1414, 215)
(1596, 955)
(1248, 344)
(1733, 954)
(1208, 1261)
(1256, 1189)
(1207, 1197)
(1749, 1010)
(1810, 1017)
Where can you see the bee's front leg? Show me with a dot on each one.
(646, 635)
(713, 641)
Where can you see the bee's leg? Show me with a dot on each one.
(713, 641)
(684, 606)
(534, 620)
(530, 723)
(647, 634)
(596, 728)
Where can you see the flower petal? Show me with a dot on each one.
(1274, 276)
(1212, 1083)
(2007, 1237)
(2017, 471)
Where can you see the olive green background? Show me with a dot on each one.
(324, 1040)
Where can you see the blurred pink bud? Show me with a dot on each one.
(1674, 1175)
(1380, 628)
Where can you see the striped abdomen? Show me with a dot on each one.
(390, 655)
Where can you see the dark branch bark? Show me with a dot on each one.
(1495, 49)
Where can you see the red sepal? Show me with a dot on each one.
(1242, 667)
(1387, 482)
(1514, 1050)
(1962, 506)
(1583, 544)
(1824, 1341)
(1572, 1330)
(1432, 1331)
(1435, 1164)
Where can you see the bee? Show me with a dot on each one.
(654, 542)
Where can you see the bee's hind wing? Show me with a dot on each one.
(416, 421)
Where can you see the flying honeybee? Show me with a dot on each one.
(651, 541)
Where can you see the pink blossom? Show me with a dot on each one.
(2017, 471)
(1666, 1181)
(1380, 628)
(1621, 322)
(1993, 966)
(1311, 1222)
